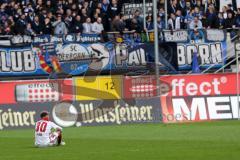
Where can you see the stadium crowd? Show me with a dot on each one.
(32, 17)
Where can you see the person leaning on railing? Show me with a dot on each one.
(229, 22)
(118, 24)
(195, 24)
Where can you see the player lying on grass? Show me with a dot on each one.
(47, 133)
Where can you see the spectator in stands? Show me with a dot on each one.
(97, 13)
(194, 3)
(113, 9)
(11, 24)
(87, 26)
(69, 3)
(216, 4)
(105, 16)
(149, 23)
(77, 25)
(42, 15)
(173, 7)
(7, 28)
(220, 21)
(202, 7)
(188, 8)
(188, 18)
(118, 24)
(174, 22)
(37, 26)
(10, 9)
(50, 7)
(196, 36)
(237, 18)
(138, 18)
(224, 11)
(182, 7)
(181, 18)
(160, 23)
(230, 9)
(59, 26)
(47, 28)
(68, 19)
(229, 22)
(30, 17)
(51, 17)
(74, 8)
(195, 24)
(39, 6)
(161, 13)
(84, 15)
(197, 13)
(211, 18)
(3, 10)
(29, 31)
(20, 25)
(135, 26)
(97, 26)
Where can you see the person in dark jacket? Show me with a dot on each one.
(183, 7)
(47, 29)
(135, 26)
(113, 9)
(29, 31)
(220, 21)
(104, 15)
(237, 18)
(193, 3)
(172, 8)
(229, 22)
(20, 25)
(149, 23)
(211, 18)
(118, 24)
(77, 26)
(84, 15)
(37, 26)
(30, 17)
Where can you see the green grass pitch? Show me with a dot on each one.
(193, 141)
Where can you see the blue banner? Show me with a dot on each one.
(47, 57)
(79, 54)
(209, 45)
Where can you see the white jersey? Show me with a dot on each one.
(44, 134)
